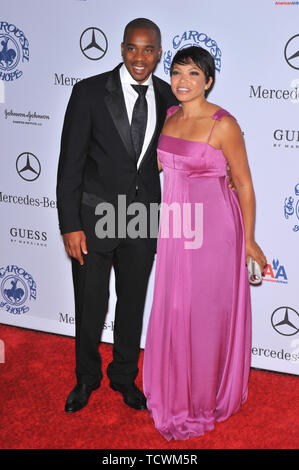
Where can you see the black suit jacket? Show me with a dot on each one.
(97, 161)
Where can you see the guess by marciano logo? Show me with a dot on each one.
(286, 138)
(28, 237)
(14, 50)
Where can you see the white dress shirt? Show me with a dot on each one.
(131, 96)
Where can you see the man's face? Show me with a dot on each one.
(141, 51)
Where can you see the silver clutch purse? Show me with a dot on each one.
(254, 272)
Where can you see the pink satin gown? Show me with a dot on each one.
(197, 354)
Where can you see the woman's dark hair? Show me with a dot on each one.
(201, 58)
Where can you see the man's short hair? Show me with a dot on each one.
(143, 23)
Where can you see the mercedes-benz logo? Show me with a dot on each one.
(28, 166)
(93, 43)
(291, 52)
(285, 320)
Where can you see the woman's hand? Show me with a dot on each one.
(159, 165)
(230, 181)
(255, 252)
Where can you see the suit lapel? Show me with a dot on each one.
(116, 105)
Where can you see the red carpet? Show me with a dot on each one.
(38, 374)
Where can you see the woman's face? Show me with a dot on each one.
(188, 82)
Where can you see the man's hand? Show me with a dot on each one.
(230, 179)
(75, 244)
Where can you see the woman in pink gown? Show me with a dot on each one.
(197, 353)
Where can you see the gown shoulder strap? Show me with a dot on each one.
(171, 110)
(217, 117)
(221, 113)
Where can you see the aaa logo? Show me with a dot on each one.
(275, 272)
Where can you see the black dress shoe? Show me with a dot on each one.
(79, 396)
(132, 396)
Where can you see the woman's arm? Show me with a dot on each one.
(233, 147)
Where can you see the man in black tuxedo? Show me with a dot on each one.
(108, 148)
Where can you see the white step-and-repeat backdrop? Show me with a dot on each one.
(44, 52)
